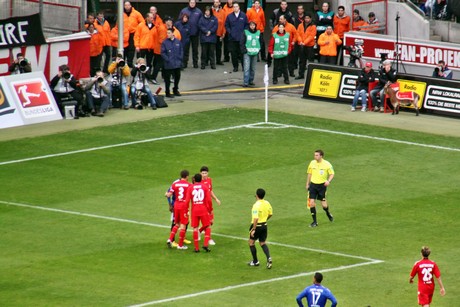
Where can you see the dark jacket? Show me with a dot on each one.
(184, 29)
(236, 26)
(364, 78)
(384, 76)
(172, 53)
(276, 16)
(208, 24)
(194, 16)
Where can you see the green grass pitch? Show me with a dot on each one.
(88, 228)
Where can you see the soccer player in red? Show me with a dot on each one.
(426, 269)
(199, 195)
(179, 188)
(208, 181)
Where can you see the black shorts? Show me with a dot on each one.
(317, 191)
(260, 233)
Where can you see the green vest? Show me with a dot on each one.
(281, 46)
(252, 42)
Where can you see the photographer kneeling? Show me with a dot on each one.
(442, 71)
(140, 86)
(64, 87)
(97, 94)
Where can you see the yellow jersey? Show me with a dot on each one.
(261, 210)
(320, 171)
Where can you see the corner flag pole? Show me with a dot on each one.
(266, 79)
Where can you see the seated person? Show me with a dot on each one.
(119, 72)
(140, 85)
(386, 74)
(97, 94)
(64, 86)
(366, 75)
(20, 66)
(442, 71)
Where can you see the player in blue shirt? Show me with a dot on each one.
(316, 294)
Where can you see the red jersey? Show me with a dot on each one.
(179, 189)
(426, 271)
(208, 183)
(199, 194)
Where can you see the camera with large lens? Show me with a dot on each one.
(115, 81)
(23, 63)
(66, 75)
(121, 63)
(100, 80)
(143, 68)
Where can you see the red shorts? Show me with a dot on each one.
(181, 216)
(201, 215)
(424, 298)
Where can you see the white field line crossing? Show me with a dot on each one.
(255, 125)
(368, 261)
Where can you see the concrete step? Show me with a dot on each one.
(435, 37)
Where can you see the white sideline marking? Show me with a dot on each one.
(260, 125)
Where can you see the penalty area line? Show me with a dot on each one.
(254, 283)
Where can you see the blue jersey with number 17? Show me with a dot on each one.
(316, 296)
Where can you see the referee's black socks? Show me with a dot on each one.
(327, 212)
(253, 252)
(266, 250)
(313, 213)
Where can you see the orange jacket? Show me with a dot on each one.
(257, 17)
(227, 10)
(96, 43)
(290, 29)
(341, 25)
(356, 25)
(125, 71)
(158, 21)
(329, 49)
(132, 21)
(114, 37)
(306, 36)
(221, 16)
(145, 38)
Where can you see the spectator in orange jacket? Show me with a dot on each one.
(103, 27)
(373, 24)
(328, 42)
(341, 26)
(131, 19)
(358, 21)
(96, 43)
(157, 21)
(257, 15)
(220, 14)
(306, 33)
(289, 28)
(145, 38)
(114, 38)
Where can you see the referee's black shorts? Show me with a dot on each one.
(317, 191)
(260, 233)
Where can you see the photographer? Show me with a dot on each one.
(140, 85)
(64, 86)
(119, 76)
(442, 71)
(366, 75)
(97, 94)
(20, 66)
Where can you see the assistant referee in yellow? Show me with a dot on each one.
(261, 212)
(319, 176)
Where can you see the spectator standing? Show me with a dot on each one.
(325, 18)
(120, 71)
(279, 48)
(140, 84)
(103, 27)
(373, 24)
(282, 10)
(228, 9)
(20, 65)
(96, 43)
(157, 58)
(250, 48)
(319, 176)
(306, 33)
(64, 85)
(341, 26)
(184, 28)
(426, 270)
(220, 14)
(257, 15)
(172, 53)
(114, 38)
(157, 20)
(235, 24)
(316, 294)
(358, 21)
(328, 42)
(289, 28)
(365, 76)
(442, 71)
(195, 15)
(98, 94)
(261, 212)
(144, 40)
(298, 19)
(132, 18)
(386, 74)
(208, 25)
